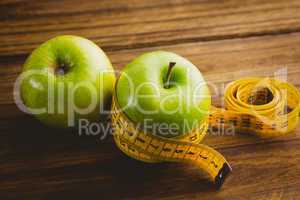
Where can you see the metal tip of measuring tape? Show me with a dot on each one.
(222, 175)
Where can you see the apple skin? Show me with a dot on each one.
(185, 104)
(84, 62)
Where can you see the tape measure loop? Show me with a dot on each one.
(263, 106)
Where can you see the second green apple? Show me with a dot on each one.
(163, 93)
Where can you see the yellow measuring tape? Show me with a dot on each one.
(263, 106)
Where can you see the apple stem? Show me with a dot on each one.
(171, 65)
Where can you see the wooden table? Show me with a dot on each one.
(227, 40)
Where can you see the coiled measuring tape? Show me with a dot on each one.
(263, 106)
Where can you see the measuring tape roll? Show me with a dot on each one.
(267, 107)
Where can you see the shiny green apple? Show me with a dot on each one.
(163, 93)
(65, 79)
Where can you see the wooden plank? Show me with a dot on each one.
(220, 61)
(260, 172)
(135, 24)
(230, 59)
(37, 161)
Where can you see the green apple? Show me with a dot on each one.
(65, 79)
(164, 93)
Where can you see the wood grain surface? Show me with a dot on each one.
(226, 40)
